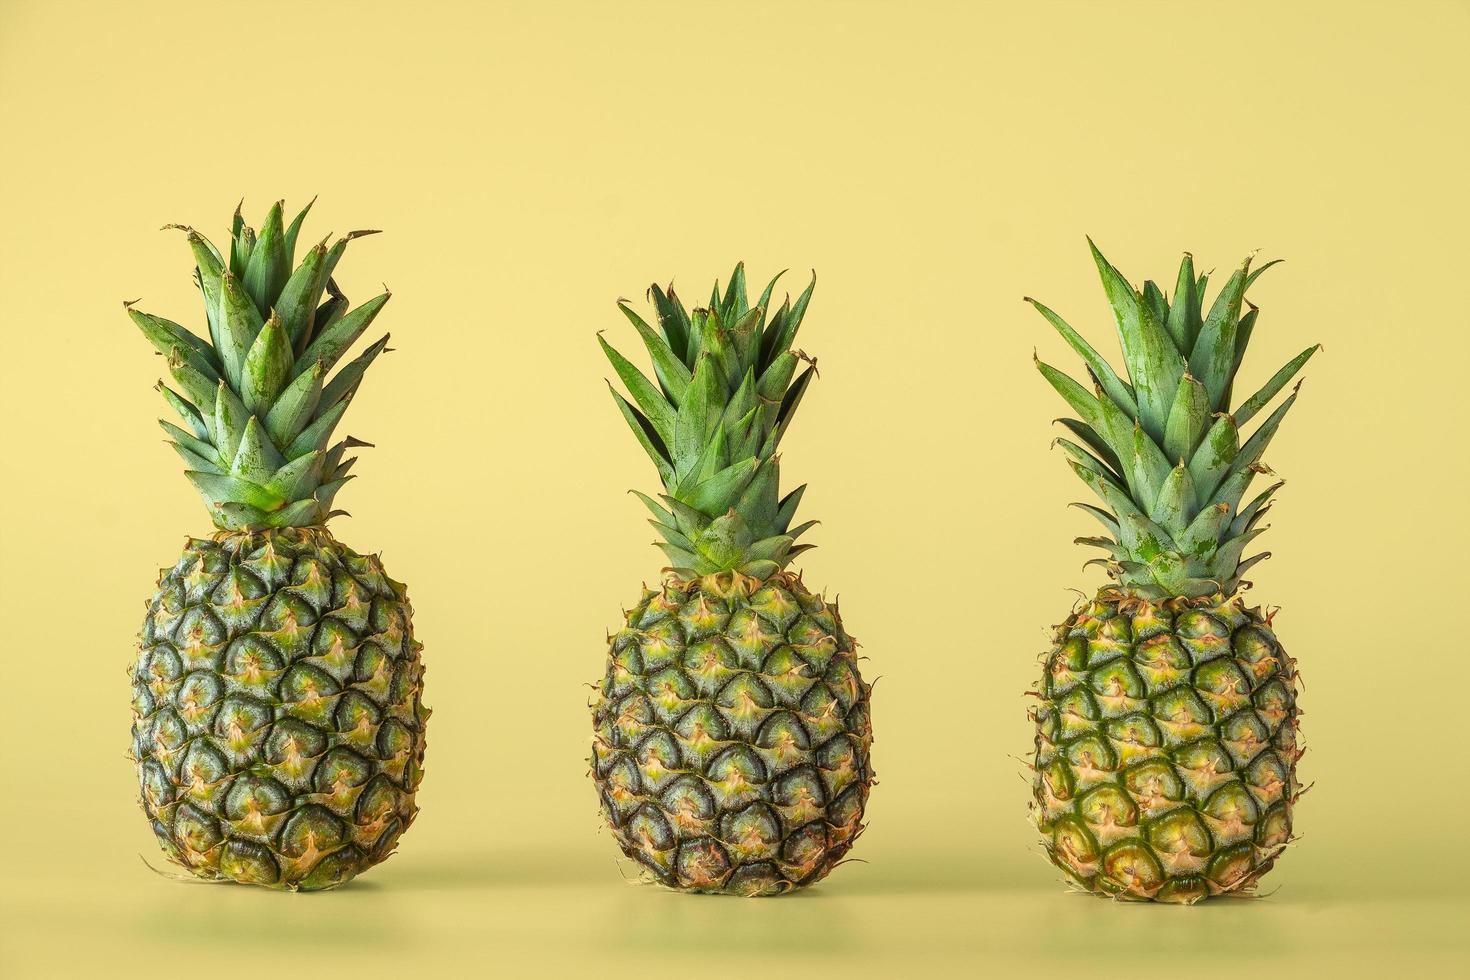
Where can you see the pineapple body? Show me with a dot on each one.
(278, 727)
(732, 735)
(1166, 747)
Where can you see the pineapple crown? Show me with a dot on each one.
(1164, 448)
(713, 422)
(255, 399)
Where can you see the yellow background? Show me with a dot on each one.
(935, 162)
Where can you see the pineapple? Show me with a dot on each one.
(278, 727)
(1166, 736)
(732, 732)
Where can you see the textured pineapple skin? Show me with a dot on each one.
(732, 735)
(1166, 748)
(278, 725)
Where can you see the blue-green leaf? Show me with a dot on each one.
(1213, 358)
(647, 395)
(296, 306)
(230, 417)
(294, 409)
(1147, 470)
(168, 337)
(1112, 385)
(1200, 539)
(1212, 459)
(217, 488)
(689, 520)
(1176, 505)
(318, 433)
(242, 240)
(1106, 519)
(782, 333)
(1252, 405)
(710, 461)
(267, 368)
(1255, 446)
(698, 414)
(1153, 298)
(255, 459)
(1184, 321)
(269, 264)
(1228, 554)
(718, 494)
(1093, 462)
(297, 479)
(787, 510)
(1188, 418)
(1247, 516)
(659, 513)
(789, 404)
(647, 437)
(1096, 443)
(735, 301)
(327, 492)
(672, 373)
(332, 342)
(1154, 363)
(294, 230)
(344, 383)
(759, 502)
(674, 322)
(198, 445)
(239, 323)
(1250, 279)
(198, 387)
(208, 268)
(195, 462)
(187, 412)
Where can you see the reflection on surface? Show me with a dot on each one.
(548, 913)
(363, 914)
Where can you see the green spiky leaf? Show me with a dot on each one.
(1180, 461)
(254, 396)
(267, 368)
(332, 342)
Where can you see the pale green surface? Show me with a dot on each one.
(534, 915)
